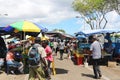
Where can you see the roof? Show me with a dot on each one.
(97, 31)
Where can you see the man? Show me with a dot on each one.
(3, 48)
(55, 47)
(61, 47)
(3, 51)
(95, 48)
(37, 70)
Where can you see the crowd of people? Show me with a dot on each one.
(37, 54)
(14, 60)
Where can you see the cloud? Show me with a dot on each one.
(113, 19)
(40, 11)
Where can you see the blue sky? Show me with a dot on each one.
(69, 25)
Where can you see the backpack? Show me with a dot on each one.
(34, 57)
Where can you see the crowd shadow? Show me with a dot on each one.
(87, 75)
(61, 71)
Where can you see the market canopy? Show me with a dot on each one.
(2, 32)
(97, 31)
(60, 34)
(24, 26)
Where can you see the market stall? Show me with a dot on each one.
(84, 45)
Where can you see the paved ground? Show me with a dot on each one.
(66, 70)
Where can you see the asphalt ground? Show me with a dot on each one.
(67, 70)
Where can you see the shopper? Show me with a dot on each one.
(96, 56)
(35, 60)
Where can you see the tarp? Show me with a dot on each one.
(2, 32)
(97, 31)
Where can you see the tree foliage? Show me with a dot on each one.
(60, 30)
(93, 12)
(113, 5)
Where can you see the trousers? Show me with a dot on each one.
(96, 67)
(36, 72)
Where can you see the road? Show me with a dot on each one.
(67, 70)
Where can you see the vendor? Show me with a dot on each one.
(107, 37)
(10, 58)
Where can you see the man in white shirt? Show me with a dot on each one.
(61, 47)
(95, 48)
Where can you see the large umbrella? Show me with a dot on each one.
(24, 26)
(43, 29)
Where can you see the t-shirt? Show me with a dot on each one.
(96, 50)
(10, 56)
(62, 45)
(49, 50)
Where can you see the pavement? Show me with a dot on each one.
(67, 70)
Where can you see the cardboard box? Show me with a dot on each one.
(112, 64)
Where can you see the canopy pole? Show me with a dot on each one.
(23, 42)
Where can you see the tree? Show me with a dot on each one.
(93, 12)
(60, 30)
(113, 5)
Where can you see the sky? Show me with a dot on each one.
(51, 14)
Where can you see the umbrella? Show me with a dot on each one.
(24, 26)
(42, 28)
(2, 32)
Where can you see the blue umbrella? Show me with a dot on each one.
(42, 28)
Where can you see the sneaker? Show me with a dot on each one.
(100, 76)
(49, 78)
(61, 58)
(12, 72)
(96, 77)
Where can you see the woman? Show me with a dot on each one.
(49, 56)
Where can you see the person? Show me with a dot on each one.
(95, 48)
(107, 37)
(3, 51)
(3, 48)
(10, 59)
(37, 70)
(61, 47)
(49, 56)
(110, 49)
(55, 47)
(51, 44)
(68, 49)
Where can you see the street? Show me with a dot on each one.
(67, 70)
